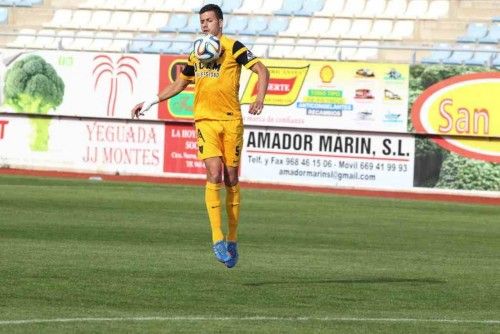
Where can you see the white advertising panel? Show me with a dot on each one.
(331, 95)
(336, 159)
(96, 84)
(82, 145)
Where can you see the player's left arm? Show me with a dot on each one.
(262, 82)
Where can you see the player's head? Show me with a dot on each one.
(211, 19)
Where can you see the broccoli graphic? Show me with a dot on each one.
(33, 86)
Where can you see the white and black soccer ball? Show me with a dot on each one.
(207, 48)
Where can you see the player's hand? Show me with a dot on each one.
(141, 108)
(137, 110)
(256, 107)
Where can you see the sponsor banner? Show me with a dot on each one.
(84, 84)
(179, 107)
(462, 109)
(331, 95)
(81, 145)
(328, 158)
(181, 150)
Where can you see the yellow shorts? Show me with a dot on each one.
(220, 139)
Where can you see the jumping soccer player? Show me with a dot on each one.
(219, 124)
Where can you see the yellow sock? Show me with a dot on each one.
(233, 211)
(212, 201)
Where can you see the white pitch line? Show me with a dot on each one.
(201, 318)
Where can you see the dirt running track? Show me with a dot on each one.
(481, 198)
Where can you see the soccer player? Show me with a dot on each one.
(219, 124)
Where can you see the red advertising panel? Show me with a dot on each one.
(181, 150)
(179, 107)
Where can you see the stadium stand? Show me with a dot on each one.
(319, 29)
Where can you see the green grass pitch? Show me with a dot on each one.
(131, 257)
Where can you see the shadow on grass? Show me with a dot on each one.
(374, 280)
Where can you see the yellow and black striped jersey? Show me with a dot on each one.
(217, 84)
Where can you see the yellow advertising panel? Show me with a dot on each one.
(464, 110)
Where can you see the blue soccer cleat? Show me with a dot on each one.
(221, 252)
(232, 249)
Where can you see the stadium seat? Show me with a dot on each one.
(24, 39)
(61, 19)
(367, 50)
(475, 31)
(459, 57)
(83, 39)
(65, 38)
(381, 29)
(352, 8)
(137, 21)
(347, 49)
(403, 29)
(79, 19)
(482, 56)
(262, 45)
(102, 41)
(373, 8)
(120, 41)
(303, 49)
(317, 27)
(416, 9)
(156, 20)
(4, 15)
(331, 8)
(282, 47)
(229, 6)
(338, 28)
(193, 24)
(256, 25)
(130, 5)
(249, 7)
(290, 7)
(296, 27)
(118, 21)
(7, 3)
(437, 56)
(176, 23)
(152, 5)
(159, 46)
(359, 29)
(495, 19)
(496, 61)
(236, 24)
(98, 19)
(276, 25)
(182, 44)
(140, 43)
(90, 4)
(493, 35)
(268, 7)
(310, 7)
(395, 9)
(325, 49)
(438, 9)
(188, 5)
(46, 39)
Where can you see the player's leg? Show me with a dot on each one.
(233, 143)
(209, 151)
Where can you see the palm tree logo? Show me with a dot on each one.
(107, 69)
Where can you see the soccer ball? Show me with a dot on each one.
(207, 48)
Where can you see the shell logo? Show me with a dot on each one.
(464, 111)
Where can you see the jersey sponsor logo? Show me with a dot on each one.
(284, 86)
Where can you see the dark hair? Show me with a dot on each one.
(214, 8)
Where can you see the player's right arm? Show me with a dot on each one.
(182, 81)
(171, 90)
